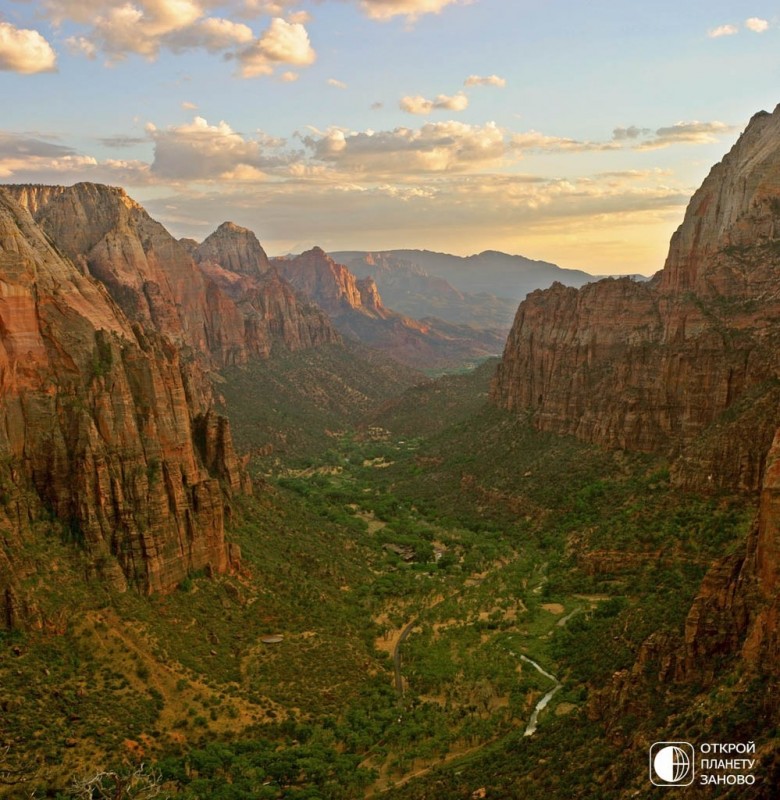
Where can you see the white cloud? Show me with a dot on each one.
(187, 106)
(443, 102)
(722, 30)
(282, 43)
(488, 80)
(533, 140)
(336, 83)
(435, 147)
(411, 9)
(197, 151)
(756, 24)
(289, 77)
(213, 35)
(25, 51)
(686, 133)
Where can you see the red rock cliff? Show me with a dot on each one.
(655, 366)
(98, 423)
(687, 364)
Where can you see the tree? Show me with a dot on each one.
(139, 783)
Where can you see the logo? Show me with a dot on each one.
(672, 764)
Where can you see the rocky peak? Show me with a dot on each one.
(654, 366)
(329, 284)
(737, 206)
(98, 421)
(235, 249)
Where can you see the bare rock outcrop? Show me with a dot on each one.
(670, 365)
(98, 422)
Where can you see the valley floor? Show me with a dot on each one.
(424, 578)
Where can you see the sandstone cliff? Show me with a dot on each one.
(156, 281)
(670, 364)
(100, 424)
(235, 249)
(687, 365)
(358, 312)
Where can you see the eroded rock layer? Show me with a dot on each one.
(97, 420)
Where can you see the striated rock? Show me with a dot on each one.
(97, 421)
(148, 272)
(357, 311)
(235, 249)
(330, 285)
(673, 365)
(686, 365)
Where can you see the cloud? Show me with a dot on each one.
(197, 151)
(28, 159)
(213, 35)
(722, 30)
(120, 28)
(756, 24)
(489, 80)
(336, 83)
(686, 133)
(435, 147)
(122, 141)
(282, 43)
(289, 77)
(632, 132)
(25, 51)
(411, 9)
(187, 106)
(533, 140)
(443, 102)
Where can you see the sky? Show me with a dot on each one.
(563, 130)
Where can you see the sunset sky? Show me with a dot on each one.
(564, 130)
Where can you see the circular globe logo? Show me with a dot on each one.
(671, 764)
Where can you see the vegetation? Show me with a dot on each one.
(408, 573)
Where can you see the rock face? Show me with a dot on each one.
(688, 365)
(357, 311)
(156, 281)
(654, 366)
(103, 424)
(235, 249)
(233, 260)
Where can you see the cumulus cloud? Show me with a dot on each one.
(435, 147)
(289, 77)
(25, 51)
(120, 28)
(722, 30)
(420, 105)
(686, 133)
(197, 151)
(188, 106)
(488, 80)
(336, 83)
(411, 9)
(213, 35)
(756, 24)
(282, 43)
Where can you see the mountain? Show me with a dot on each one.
(105, 428)
(155, 280)
(235, 249)
(686, 365)
(357, 311)
(406, 287)
(499, 274)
